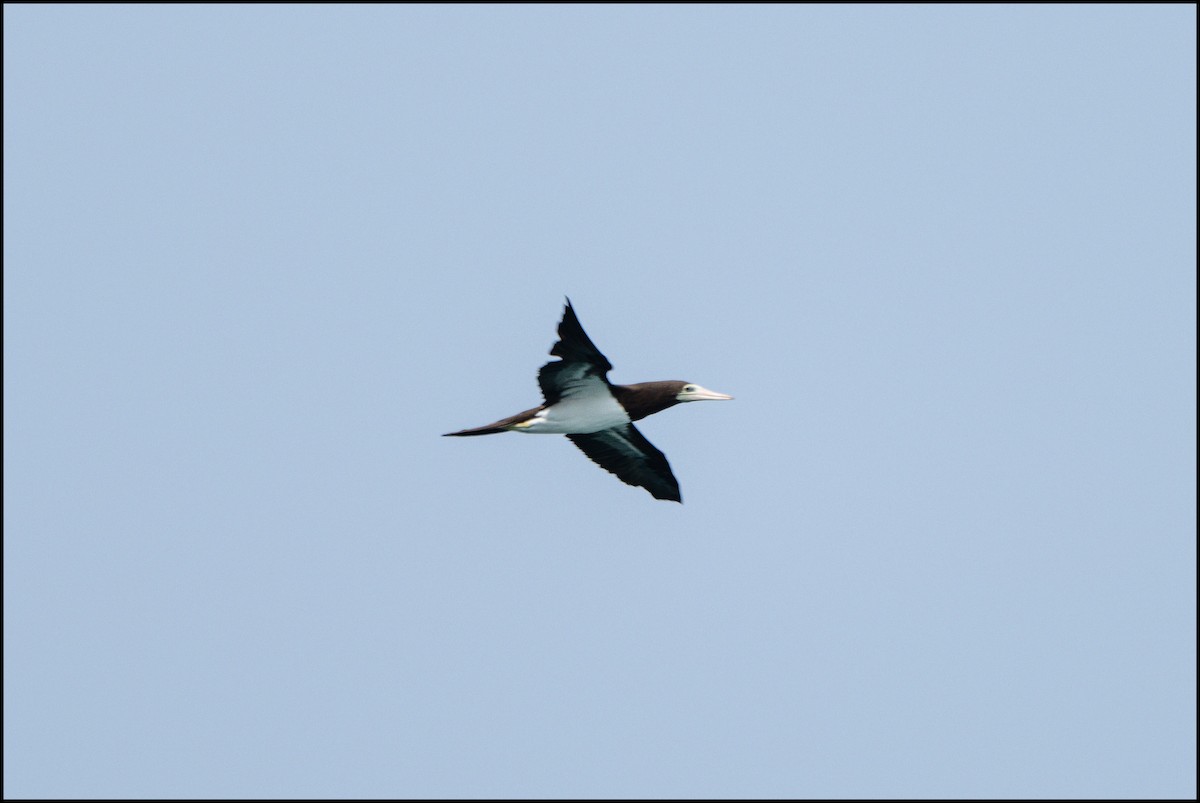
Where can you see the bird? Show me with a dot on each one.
(596, 415)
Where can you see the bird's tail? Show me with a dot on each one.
(503, 425)
(488, 430)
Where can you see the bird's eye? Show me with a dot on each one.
(689, 388)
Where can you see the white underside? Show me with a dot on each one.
(588, 408)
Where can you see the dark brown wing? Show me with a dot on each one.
(625, 452)
(581, 363)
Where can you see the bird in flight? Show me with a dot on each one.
(597, 415)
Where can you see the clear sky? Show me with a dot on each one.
(258, 258)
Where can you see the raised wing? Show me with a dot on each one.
(581, 367)
(625, 452)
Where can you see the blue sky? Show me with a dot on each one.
(258, 258)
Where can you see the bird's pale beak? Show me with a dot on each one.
(697, 393)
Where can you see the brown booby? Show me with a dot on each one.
(597, 415)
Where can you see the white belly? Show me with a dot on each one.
(577, 416)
